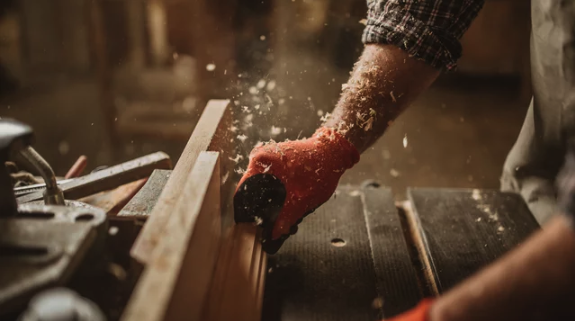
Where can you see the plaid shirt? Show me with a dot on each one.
(427, 29)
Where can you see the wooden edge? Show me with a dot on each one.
(143, 202)
(112, 201)
(416, 232)
(175, 283)
(237, 290)
(261, 285)
(212, 124)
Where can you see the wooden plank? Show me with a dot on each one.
(112, 201)
(141, 205)
(175, 282)
(463, 230)
(325, 271)
(397, 282)
(211, 133)
(237, 288)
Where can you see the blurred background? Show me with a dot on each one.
(117, 79)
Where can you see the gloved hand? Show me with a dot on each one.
(286, 181)
(419, 313)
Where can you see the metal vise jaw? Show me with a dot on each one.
(41, 245)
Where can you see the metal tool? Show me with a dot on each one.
(247, 204)
(43, 246)
(23, 190)
(52, 193)
(108, 178)
(40, 245)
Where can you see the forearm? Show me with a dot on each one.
(383, 83)
(534, 282)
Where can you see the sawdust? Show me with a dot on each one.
(271, 85)
(377, 303)
(275, 131)
(225, 177)
(354, 193)
(476, 195)
(237, 159)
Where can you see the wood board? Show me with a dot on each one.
(237, 288)
(142, 204)
(173, 285)
(211, 133)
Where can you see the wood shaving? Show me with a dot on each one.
(368, 124)
(237, 159)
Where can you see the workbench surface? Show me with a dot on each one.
(361, 258)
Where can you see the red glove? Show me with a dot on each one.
(419, 313)
(286, 181)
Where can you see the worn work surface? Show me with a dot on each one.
(464, 230)
(328, 271)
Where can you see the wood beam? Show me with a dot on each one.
(175, 283)
(211, 133)
(237, 288)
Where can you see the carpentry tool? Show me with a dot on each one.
(23, 190)
(52, 193)
(16, 140)
(248, 203)
(108, 178)
(40, 245)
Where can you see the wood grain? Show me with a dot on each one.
(175, 283)
(237, 288)
(112, 201)
(211, 133)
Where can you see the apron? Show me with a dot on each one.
(538, 154)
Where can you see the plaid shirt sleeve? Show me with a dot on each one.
(427, 29)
